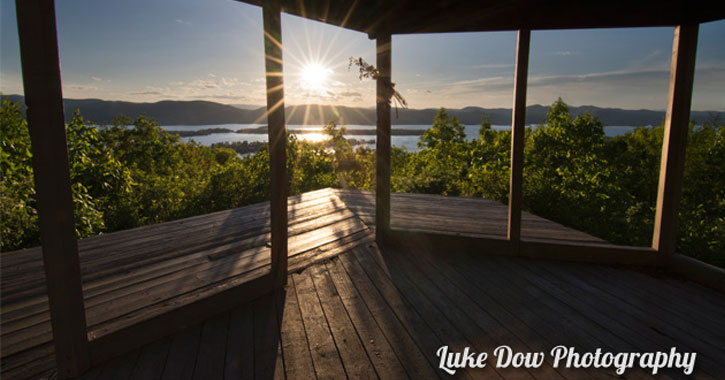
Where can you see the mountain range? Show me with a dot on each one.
(169, 112)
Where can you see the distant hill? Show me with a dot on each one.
(206, 113)
(245, 106)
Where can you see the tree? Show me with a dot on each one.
(444, 132)
(353, 168)
(18, 213)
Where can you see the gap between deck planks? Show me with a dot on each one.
(320, 227)
(390, 322)
(370, 313)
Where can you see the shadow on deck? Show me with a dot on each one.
(352, 309)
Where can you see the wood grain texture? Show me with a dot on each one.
(383, 45)
(517, 139)
(450, 16)
(362, 310)
(277, 137)
(382, 312)
(677, 121)
(44, 99)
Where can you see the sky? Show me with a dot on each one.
(151, 50)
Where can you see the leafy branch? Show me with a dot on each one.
(369, 71)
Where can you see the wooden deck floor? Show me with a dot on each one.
(465, 216)
(370, 314)
(352, 310)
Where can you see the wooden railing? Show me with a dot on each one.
(662, 251)
(46, 121)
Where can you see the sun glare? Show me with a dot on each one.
(314, 76)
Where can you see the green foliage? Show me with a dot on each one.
(133, 174)
(354, 168)
(309, 166)
(18, 214)
(701, 230)
(444, 134)
(567, 178)
(576, 176)
(368, 71)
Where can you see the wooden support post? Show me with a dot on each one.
(382, 145)
(677, 121)
(44, 99)
(517, 139)
(277, 138)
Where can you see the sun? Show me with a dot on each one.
(315, 76)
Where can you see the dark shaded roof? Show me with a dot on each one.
(441, 16)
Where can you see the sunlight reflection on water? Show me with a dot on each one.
(408, 142)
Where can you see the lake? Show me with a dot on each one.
(408, 142)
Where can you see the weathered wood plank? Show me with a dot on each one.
(412, 340)
(522, 337)
(698, 271)
(295, 347)
(181, 358)
(258, 211)
(174, 315)
(473, 321)
(393, 312)
(147, 272)
(324, 352)
(151, 361)
(107, 264)
(557, 321)
(120, 368)
(35, 365)
(23, 359)
(46, 124)
(118, 302)
(666, 323)
(676, 318)
(212, 349)
(239, 363)
(517, 139)
(267, 355)
(271, 15)
(474, 216)
(329, 250)
(677, 120)
(438, 319)
(383, 43)
(698, 297)
(354, 357)
(618, 319)
(649, 291)
(377, 346)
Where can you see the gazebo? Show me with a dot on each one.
(378, 244)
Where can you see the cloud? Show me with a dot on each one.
(350, 93)
(565, 52)
(148, 93)
(218, 97)
(80, 87)
(638, 88)
(229, 81)
(209, 87)
(200, 83)
(182, 22)
(493, 66)
(11, 84)
(97, 79)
